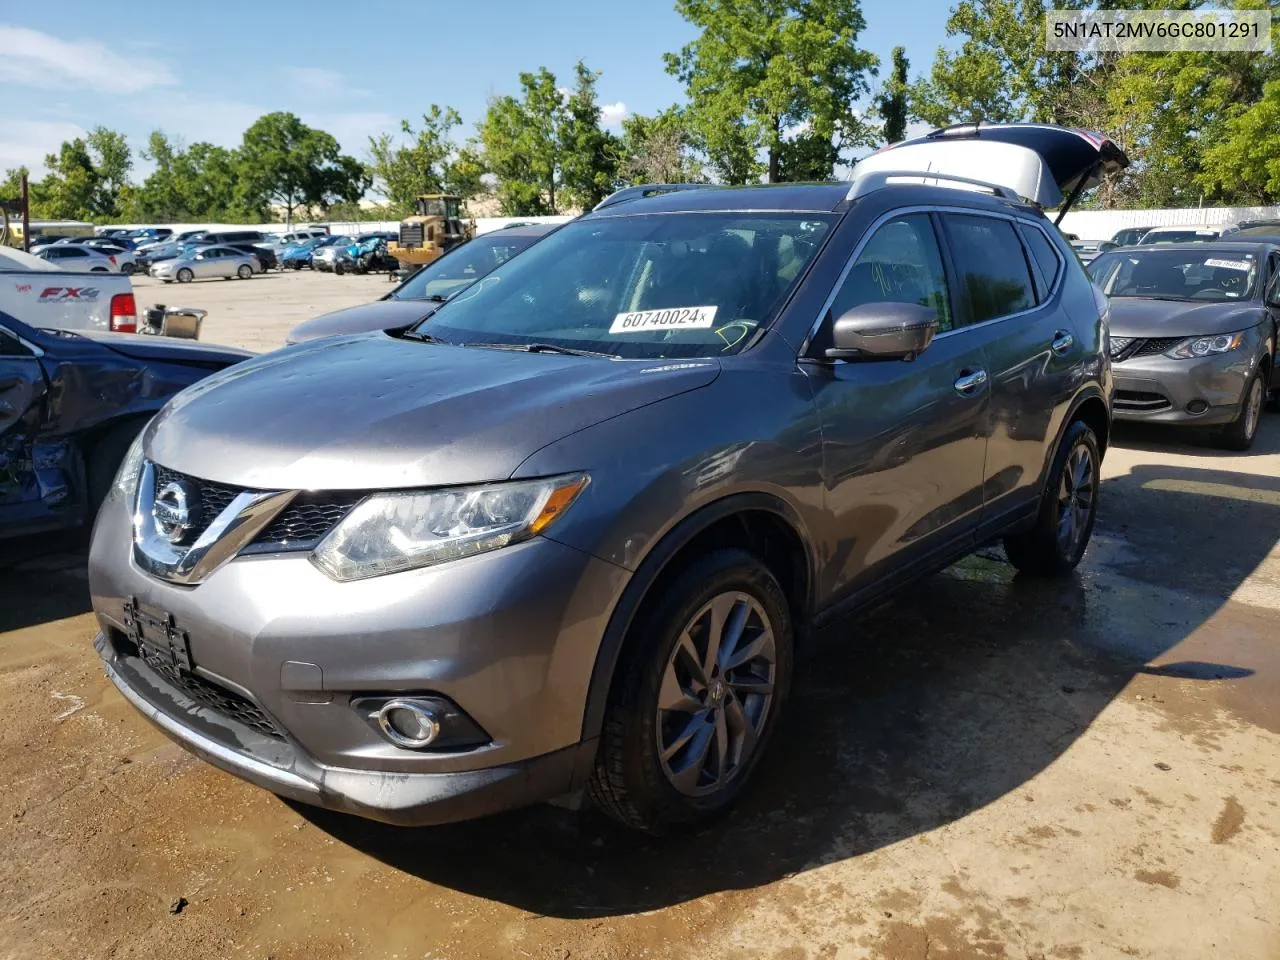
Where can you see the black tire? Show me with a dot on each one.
(1240, 433)
(1045, 550)
(185, 275)
(103, 460)
(244, 271)
(128, 269)
(630, 781)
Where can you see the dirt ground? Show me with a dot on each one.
(256, 314)
(986, 768)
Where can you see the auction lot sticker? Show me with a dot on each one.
(1229, 264)
(671, 318)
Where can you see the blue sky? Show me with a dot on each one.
(204, 72)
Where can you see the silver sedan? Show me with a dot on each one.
(207, 263)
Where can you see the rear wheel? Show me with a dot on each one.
(702, 682)
(1240, 433)
(185, 275)
(1068, 507)
(244, 272)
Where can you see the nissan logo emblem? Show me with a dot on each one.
(175, 510)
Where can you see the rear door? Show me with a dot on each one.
(22, 399)
(1009, 276)
(903, 442)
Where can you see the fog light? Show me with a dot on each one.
(408, 724)
(1197, 406)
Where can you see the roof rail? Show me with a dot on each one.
(641, 190)
(879, 179)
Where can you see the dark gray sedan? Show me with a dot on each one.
(1193, 333)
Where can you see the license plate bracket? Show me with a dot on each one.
(157, 636)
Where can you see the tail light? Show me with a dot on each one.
(112, 258)
(124, 313)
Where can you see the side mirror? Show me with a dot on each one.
(1106, 246)
(883, 331)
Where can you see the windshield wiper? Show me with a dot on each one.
(421, 337)
(546, 348)
(433, 298)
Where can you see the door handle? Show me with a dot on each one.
(1062, 342)
(968, 383)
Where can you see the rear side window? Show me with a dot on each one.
(899, 264)
(11, 346)
(1047, 262)
(994, 280)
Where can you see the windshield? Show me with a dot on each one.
(1176, 236)
(647, 286)
(431, 208)
(1182, 274)
(461, 267)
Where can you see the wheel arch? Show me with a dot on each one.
(762, 523)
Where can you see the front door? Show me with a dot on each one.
(903, 441)
(1032, 353)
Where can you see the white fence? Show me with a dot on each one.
(1103, 224)
(1086, 224)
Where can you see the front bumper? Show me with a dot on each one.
(510, 637)
(1204, 392)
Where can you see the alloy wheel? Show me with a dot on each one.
(716, 692)
(1253, 407)
(1076, 495)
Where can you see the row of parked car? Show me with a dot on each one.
(554, 513)
(1268, 230)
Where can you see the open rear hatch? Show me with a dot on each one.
(1047, 165)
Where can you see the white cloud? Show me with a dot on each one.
(25, 143)
(36, 59)
(319, 82)
(612, 114)
(353, 128)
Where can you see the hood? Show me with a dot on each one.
(373, 412)
(167, 349)
(365, 318)
(1136, 317)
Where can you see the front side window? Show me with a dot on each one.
(643, 286)
(899, 264)
(11, 346)
(992, 272)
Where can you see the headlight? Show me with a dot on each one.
(390, 532)
(126, 483)
(1207, 346)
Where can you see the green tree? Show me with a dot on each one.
(112, 161)
(1245, 161)
(761, 67)
(401, 172)
(807, 156)
(70, 189)
(590, 153)
(287, 163)
(658, 149)
(522, 145)
(892, 103)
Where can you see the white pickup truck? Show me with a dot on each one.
(43, 296)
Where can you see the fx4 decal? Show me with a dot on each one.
(60, 294)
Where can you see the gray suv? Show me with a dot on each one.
(568, 531)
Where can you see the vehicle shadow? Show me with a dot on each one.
(903, 720)
(1154, 438)
(42, 580)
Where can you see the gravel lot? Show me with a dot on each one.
(985, 768)
(256, 314)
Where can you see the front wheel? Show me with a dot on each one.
(1068, 507)
(244, 272)
(128, 269)
(1240, 433)
(703, 679)
(185, 275)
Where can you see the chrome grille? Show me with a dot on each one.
(214, 497)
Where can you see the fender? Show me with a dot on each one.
(651, 568)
